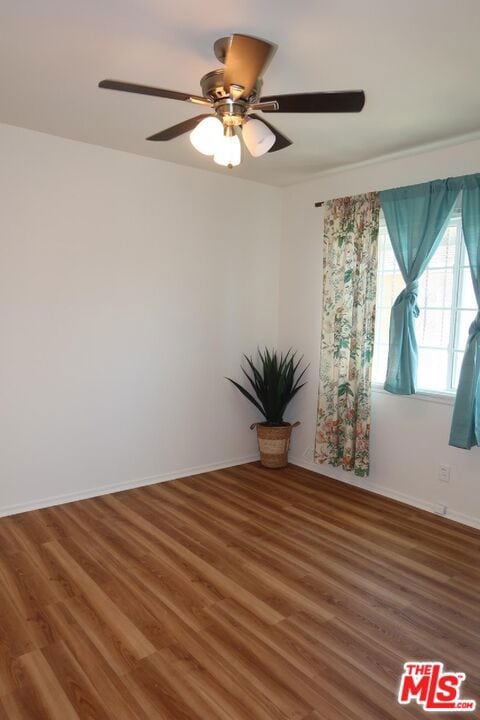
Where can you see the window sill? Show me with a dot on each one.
(441, 398)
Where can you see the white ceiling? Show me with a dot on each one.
(417, 60)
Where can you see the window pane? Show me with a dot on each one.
(457, 366)
(389, 261)
(432, 369)
(464, 320)
(379, 365)
(433, 328)
(436, 288)
(382, 325)
(392, 286)
(445, 254)
(467, 295)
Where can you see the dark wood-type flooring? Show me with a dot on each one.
(240, 594)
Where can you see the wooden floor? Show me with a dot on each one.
(238, 594)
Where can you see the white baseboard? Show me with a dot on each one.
(464, 519)
(329, 471)
(196, 470)
(116, 487)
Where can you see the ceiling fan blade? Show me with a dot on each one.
(281, 141)
(176, 130)
(147, 90)
(320, 102)
(245, 60)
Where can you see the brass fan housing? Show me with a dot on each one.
(212, 87)
(231, 112)
(229, 107)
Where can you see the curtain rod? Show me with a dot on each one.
(461, 180)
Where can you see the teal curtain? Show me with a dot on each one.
(465, 430)
(416, 218)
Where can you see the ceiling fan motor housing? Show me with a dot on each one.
(213, 89)
(227, 103)
(228, 106)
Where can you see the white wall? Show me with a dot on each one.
(409, 436)
(128, 289)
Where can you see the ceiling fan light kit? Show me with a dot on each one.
(233, 93)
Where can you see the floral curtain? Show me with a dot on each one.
(348, 323)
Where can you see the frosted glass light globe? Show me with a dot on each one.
(207, 135)
(229, 152)
(257, 137)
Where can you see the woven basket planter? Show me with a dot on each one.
(273, 443)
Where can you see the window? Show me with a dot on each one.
(447, 308)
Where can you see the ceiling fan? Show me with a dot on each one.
(234, 94)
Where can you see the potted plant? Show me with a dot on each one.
(275, 381)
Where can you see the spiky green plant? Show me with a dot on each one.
(275, 381)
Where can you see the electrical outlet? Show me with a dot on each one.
(440, 509)
(444, 473)
(308, 453)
